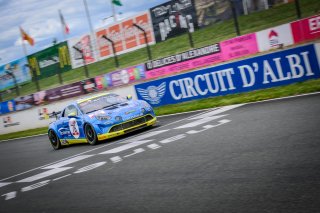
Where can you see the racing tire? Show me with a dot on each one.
(54, 139)
(91, 135)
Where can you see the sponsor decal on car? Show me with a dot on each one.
(129, 112)
(64, 142)
(134, 116)
(64, 132)
(74, 128)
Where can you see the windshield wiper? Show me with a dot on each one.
(92, 111)
(110, 105)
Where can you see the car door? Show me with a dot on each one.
(63, 131)
(74, 123)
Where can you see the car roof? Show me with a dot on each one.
(90, 98)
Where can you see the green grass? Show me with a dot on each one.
(209, 35)
(24, 133)
(258, 95)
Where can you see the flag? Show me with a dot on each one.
(117, 2)
(65, 27)
(26, 37)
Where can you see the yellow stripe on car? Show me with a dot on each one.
(73, 141)
(90, 98)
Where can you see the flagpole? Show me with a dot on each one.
(113, 12)
(93, 37)
(24, 48)
(62, 27)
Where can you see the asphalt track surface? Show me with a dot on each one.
(262, 157)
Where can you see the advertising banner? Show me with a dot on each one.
(82, 43)
(102, 81)
(239, 47)
(50, 61)
(7, 106)
(24, 102)
(8, 121)
(173, 18)
(59, 93)
(215, 11)
(40, 97)
(190, 60)
(89, 85)
(275, 69)
(184, 56)
(125, 36)
(306, 29)
(20, 71)
(121, 77)
(63, 92)
(275, 37)
(45, 113)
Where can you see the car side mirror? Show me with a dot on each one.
(129, 97)
(72, 114)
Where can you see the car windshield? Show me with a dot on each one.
(101, 102)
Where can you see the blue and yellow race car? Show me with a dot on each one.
(99, 118)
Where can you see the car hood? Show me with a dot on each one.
(127, 111)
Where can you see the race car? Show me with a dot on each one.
(98, 118)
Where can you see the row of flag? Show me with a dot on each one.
(65, 27)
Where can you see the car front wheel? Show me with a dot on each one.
(91, 135)
(54, 139)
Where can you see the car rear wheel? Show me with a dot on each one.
(54, 140)
(91, 135)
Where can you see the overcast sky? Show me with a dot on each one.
(40, 19)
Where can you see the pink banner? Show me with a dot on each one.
(184, 66)
(239, 47)
(306, 29)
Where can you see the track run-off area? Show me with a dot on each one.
(259, 157)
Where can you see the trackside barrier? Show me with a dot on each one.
(270, 70)
(39, 116)
(273, 38)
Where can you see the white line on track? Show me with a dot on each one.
(288, 97)
(154, 146)
(64, 176)
(100, 147)
(180, 113)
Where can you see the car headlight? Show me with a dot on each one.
(146, 107)
(103, 117)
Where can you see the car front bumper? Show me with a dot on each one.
(127, 130)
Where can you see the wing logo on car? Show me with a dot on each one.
(153, 94)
